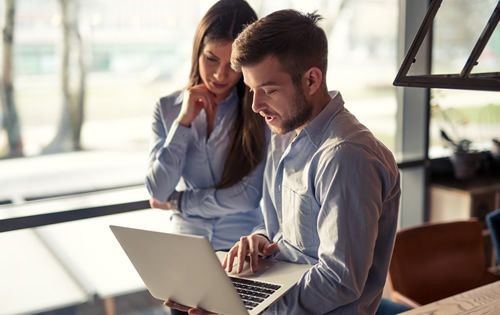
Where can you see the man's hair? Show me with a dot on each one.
(292, 37)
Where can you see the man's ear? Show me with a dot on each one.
(313, 79)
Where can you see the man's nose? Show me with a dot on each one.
(257, 104)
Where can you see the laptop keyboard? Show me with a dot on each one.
(253, 292)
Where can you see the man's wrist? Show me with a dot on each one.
(264, 235)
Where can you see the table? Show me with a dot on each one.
(460, 200)
(69, 263)
(483, 300)
(72, 262)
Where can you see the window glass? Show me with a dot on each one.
(471, 115)
(462, 114)
(363, 63)
(457, 27)
(135, 53)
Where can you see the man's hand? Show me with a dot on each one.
(253, 246)
(159, 204)
(184, 308)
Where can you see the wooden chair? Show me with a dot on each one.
(437, 260)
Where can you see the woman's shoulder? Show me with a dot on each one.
(172, 99)
(168, 107)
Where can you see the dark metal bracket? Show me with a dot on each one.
(465, 80)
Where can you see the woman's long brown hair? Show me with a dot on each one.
(223, 22)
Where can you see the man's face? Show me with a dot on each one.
(276, 97)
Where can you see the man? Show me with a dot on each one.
(331, 190)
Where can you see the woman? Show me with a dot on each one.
(208, 144)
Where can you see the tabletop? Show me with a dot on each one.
(483, 300)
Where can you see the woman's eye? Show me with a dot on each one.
(211, 59)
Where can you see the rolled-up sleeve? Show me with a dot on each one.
(167, 156)
(243, 196)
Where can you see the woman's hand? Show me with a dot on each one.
(159, 204)
(196, 98)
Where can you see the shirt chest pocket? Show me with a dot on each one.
(299, 221)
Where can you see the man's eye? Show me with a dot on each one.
(270, 92)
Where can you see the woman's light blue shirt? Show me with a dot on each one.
(183, 158)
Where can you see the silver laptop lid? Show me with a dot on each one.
(185, 269)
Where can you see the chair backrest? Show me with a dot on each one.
(437, 260)
(493, 222)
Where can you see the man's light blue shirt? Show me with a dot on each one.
(331, 199)
(183, 157)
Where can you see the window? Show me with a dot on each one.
(136, 52)
(472, 115)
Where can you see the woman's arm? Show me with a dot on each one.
(211, 203)
(167, 156)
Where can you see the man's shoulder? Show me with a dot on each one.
(363, 147)
(347, 132)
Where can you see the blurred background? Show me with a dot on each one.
(80, 81)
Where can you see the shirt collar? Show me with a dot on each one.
(315, 129)
(179, 98)
(230, 99)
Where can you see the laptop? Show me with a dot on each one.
(185, 269)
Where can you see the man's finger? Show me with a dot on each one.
(229, 259)
(176, 305)
(198, 311)
(224, 261)
(242, 253)
(254, 254)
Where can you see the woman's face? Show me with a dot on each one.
(215, 68)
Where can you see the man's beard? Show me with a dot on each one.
(301, 114)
